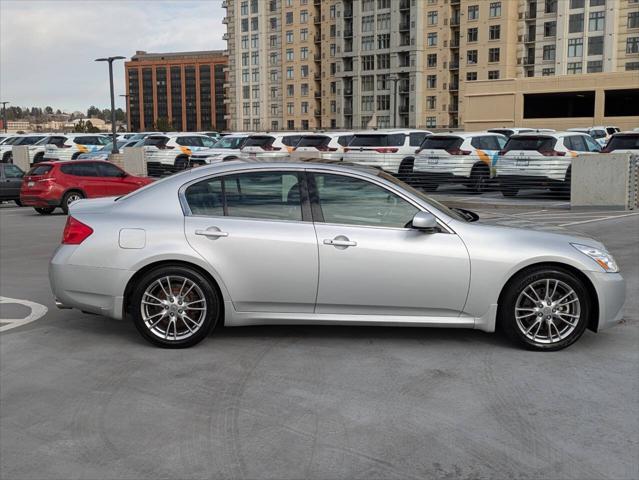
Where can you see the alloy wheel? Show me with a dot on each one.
(547, 311)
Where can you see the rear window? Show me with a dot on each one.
(314, 141)
(344, 140)
(259, 141)
(487, 142)
(442, 143)
(368, 141)
(536, 143)
(416, 138)
(623, 142)
(611, 130)
(157, 141)
(291, 140)
(40, 170)
(230, 142)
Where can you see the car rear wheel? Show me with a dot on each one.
(69, 198)
(479, 179)
(509, 191)
(44, 210)
(174, 307)
(18, 202)
(406, 169)
(181, 163)
(545, 309)
(38, 158)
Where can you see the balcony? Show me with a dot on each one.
(454, 65)
(455, 2)
(317, 57)
(317, 38)
(529, 60)
(404, 5)
(531, 15)
(348, 33)
(454, 43)
(317, 112)
(348, 13)
(404, 109)
(225, 20)
(529, 38)
(317, 19)
(453, 87)
(453, 108)
(317, 77)
(403, 26)
(348, 92)
(454, 21)
(318, 94)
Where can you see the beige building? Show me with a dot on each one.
(424, 63)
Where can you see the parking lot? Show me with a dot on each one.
(86, 397)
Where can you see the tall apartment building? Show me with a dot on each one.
(282, 60)
(185, 90)
(414, 63)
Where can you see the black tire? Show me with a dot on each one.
(68, 198)
(228, 159)
(563, 188)
(38, 158)
(44, 210)
(76, 155)
(479, 178)
(405, 171)
(429, 186)
(509, 191)
(181, 163)
(209, 318)
(18, 202)
(7, 157)
(507, 314)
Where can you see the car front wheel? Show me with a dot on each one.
(174, 307)
(545, 309)
(44, 210)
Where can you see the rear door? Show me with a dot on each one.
(84, 176)
(255, 230)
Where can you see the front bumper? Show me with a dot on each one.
(611, 294)
(91, 289)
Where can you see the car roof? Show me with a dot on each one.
(466, 134)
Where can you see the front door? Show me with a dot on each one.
(254, 230)
(11, 181)
(371, 263)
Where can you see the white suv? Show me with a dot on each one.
(166, 153)
(225, 148)
(466, 158)
(390, 150)
(328, 146)
(541, 160)
(270, 145)
(73, 146)
(6, 147)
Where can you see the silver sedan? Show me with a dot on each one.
(246, 243)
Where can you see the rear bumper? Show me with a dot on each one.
(522, 181)
(92, 289)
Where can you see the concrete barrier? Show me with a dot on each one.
(131, 160)
(605, 181)
(21, 157)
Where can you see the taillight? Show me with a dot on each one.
(386, 150)
(270, 148)
(165, 147)
(552, 153)
(75, 232)
(418, 151)
(606, 149)
(326, 148)
(64, 146)
(458, 151)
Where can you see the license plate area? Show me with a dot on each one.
(30, 184)
(522, 163)
(433, 160)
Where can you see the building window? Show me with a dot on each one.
(244, 8)
(632, 45)
(289, 18)
(383, 21)
(368, 5)
(431, 18)
(304, 71)
(368, 103)
(595, 45)
(549, 52)
(304, 89)
(431, 40)
(245, 25)
(289, 36)
(596, 21)
(368, 43)
(577, 3)
(273, 40)
(550, 29)
(471, 76)
(550, 6)
(383, 61)
(368, 23)
(304, 107)
(368, 83)
(597, 3)
(383, 4)
(493, 55)
(304, 53)
(633, 20)
(431, 81)
(471, 57)
(576, 23)
(290, 90)
(632, 66)
(431, 122)
(289, 73)
(383, 82)
(255, 58)
(575, 68)
(290, 108)
(494, 32)
(245, 42)
(472, 35)
(594, 66)
(473, 12)
(383, 41)
(304, 34)
(383, 102)
(575, 47)
(290, 124)
(368, 62)
(255, 23)
(304, 16)
(431, 60)
(493, 74)
(290, 56)
(547, 72)
(495, 10)
(431, 102)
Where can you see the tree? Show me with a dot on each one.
(162, 124)
(120, 116)
(89, 128)
(48, 110)
(93, 111)
(79, 127)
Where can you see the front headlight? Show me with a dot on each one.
(603, 258)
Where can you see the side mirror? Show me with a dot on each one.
(425, 221)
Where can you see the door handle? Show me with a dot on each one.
(212, 233)
(340, 241)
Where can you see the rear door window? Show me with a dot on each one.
(291, 140)
(442, 143)
(368, 141)
(85, 141)
(313, 141)
(80, 169)
(576, 142)
(156, 141)
(259, 141)
(11, 171)
(592, 145)
(106, 169)
(531, 143)
(396, 140)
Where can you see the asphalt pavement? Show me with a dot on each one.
(84, 397)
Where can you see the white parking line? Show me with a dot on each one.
(600, 219)
(37, 311)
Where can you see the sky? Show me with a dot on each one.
(48, 47)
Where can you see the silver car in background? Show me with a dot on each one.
(279, 242)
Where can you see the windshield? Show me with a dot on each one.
(234, 143)
(428, 200)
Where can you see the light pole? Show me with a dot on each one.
(126, 101)
(4, 115)
(394, 78)
(111, 60)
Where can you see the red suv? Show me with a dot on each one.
(56, 184)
